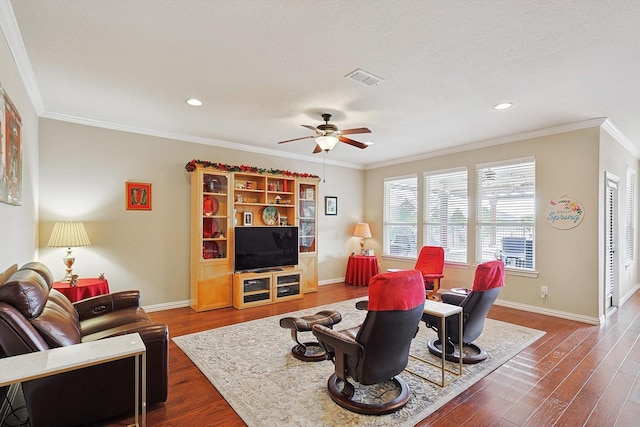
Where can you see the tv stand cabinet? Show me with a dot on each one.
(223, 198)
(267, 287)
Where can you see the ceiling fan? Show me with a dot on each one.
(328, 135)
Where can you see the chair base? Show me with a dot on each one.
(343, 397)
(433, 296)
(302, 352)
(471, 353)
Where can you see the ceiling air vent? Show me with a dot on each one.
(364, 77)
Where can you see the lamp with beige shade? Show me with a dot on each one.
(362, 231)
(68, 234)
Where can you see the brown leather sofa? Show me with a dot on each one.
(35, 317)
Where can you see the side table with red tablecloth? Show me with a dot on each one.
(360, 269)
(84, 288)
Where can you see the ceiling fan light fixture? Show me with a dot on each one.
(327, 142)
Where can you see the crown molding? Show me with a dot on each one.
(597, 122)
(11, 32)
(621, 138)
(195, 139)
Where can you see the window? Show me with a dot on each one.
(445, 213)
(630, 229)
(506, 213)
(401, 216)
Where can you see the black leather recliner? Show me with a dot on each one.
(377, 350)
(487, 283)
(35, 317)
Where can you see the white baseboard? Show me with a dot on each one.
(517, 306)
(331, 281)
(166, 306)
(629, 294)
(549, 312)
(187, 303)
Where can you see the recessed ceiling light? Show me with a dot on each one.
(503, 106)
(194, 102)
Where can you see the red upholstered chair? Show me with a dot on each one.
(378, 350)
(487, 283)
(431, 264)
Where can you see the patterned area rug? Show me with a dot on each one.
(251, 365)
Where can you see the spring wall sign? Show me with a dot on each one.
(564, 213)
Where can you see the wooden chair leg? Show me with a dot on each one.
(433, 293)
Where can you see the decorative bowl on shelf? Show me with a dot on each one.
(270, 215)
(210, 227)
(210, 206)
(212, 184)
(210, 250)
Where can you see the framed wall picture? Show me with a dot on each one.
(10, 152)
(138, 196)
(330, 205)
(248, 218)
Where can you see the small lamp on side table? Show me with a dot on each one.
(363, 232)
(67, 235)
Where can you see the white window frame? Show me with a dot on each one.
(400, 235)
(446, 212)
(505, 212)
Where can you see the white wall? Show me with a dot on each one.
(83, 172)
(18, 224)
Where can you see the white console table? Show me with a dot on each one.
(442, 310)
(39, 364)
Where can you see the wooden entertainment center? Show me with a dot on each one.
(223, 197)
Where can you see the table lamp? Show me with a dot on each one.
(362, 230)
(67, 235)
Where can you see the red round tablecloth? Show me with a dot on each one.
(360, 269)
(85, 288)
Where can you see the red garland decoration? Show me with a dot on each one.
(193, 164)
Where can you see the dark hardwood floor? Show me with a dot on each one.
(577, 374)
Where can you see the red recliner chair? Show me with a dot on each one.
(487, 284)
(430, 262)
(377, 350)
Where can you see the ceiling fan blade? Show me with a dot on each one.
(317, 149)
(354, 130)
(313, 128)
(352, 142)
(297, 139)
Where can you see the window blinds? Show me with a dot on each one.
(446, 212)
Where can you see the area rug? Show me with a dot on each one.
(251, 365)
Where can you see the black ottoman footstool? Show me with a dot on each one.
(302, 351)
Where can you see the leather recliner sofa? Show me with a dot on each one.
(35, 317)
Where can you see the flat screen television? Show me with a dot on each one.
(265, 248)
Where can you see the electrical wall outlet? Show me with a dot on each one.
(544, 291)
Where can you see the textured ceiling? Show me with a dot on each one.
(263, 68)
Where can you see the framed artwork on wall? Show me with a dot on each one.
(330, 205)
(248, 218)
(138, 196)
(10, 152)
